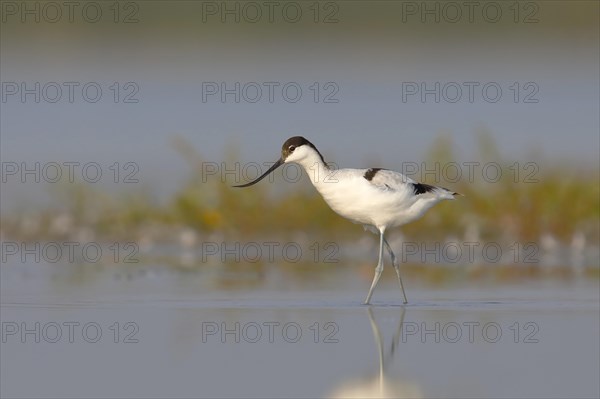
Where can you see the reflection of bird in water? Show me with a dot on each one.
(380, 386)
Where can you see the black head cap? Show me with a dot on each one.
(294, 142)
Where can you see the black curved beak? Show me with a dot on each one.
(272, 168)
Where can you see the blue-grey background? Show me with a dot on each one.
(366, 50)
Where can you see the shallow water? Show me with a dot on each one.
(153, 332)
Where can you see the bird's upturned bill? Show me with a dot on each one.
(272, 168)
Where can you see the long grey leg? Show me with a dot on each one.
(378, 269)
(396, 267)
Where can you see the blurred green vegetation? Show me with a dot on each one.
(369, 16)
(561, 201)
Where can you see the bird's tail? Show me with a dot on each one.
(447, 194)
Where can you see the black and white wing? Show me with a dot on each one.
(385, 179)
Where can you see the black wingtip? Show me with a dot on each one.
(422, 188)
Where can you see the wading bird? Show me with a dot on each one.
(376, 198)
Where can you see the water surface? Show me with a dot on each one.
(163, 333)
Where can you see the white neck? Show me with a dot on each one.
(318, 172)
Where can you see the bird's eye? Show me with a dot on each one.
(292, 148)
